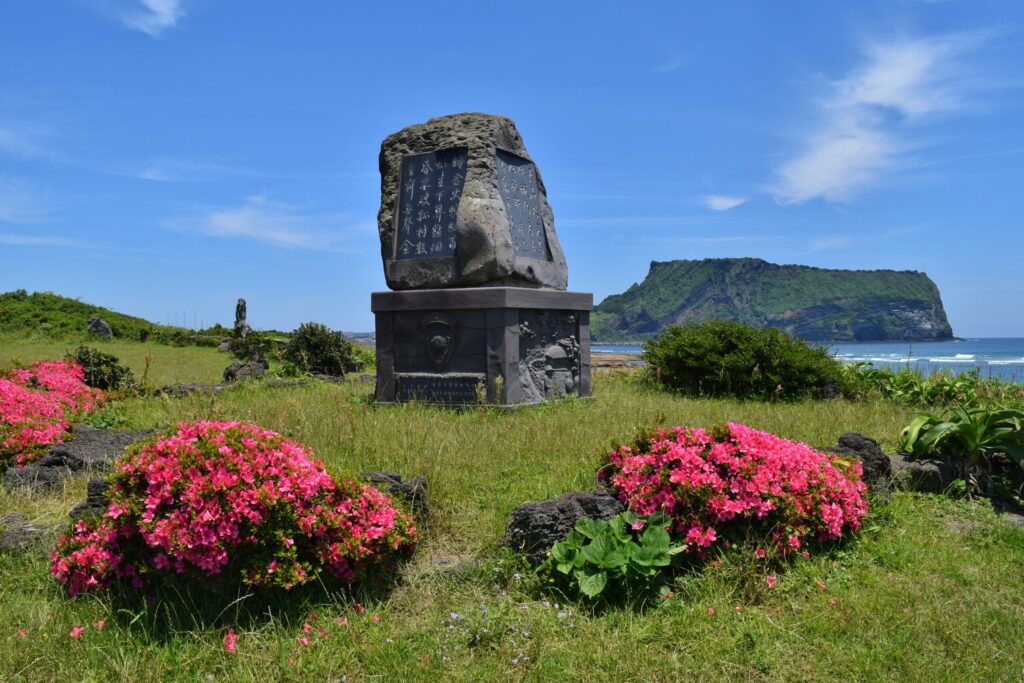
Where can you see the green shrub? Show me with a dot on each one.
(103, 370)
(724, 358)
(314, 347)
(619, 559)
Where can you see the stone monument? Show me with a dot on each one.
(479, 312)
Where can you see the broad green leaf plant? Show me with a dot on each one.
(613, 560)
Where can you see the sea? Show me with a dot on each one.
(1000, 358)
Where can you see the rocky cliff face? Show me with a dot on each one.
(814, 304)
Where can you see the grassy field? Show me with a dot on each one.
(933, 589)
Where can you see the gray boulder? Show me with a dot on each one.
(474, 211)
(875, 463)
(534, 527)
(100, 328)
(929, 475)
(412, 491)
(96, 500)
(88, 450)
(240, 371)
(18, 533)
(224, 347)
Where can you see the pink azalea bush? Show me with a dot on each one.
(742, 485)
(230, 500)
(36, 404)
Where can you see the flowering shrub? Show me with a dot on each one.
(232, 500)
(741, 485)
(35, 406)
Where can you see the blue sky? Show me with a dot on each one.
(163, 156)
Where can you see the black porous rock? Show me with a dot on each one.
(330, 379)
(484, 251)
(239, 371)
(183, 389)
(412, 491)
(876, 464)
(87, 450)
(96, 500)
(928, 475)
(100, 328)
(534, 527)
(829, 390)
(18, 533)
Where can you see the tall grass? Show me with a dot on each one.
(931, 590)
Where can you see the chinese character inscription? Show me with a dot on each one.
(517, 180)
(428, 203)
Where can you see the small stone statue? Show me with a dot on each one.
(242, 328)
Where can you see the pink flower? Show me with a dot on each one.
(738, 608)
(832, 602)
(77, 632)
(304, 641)
(22, 633)
(342, 621)
(759, 553)
(637, 525)
(770, 580)
(359, 609)
(306, 628)
(101, 624)
(230, 638)
(711, 611)
(375, 618)
(821, 585)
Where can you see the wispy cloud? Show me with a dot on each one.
(868, 117)
(276, 223)
(19, 203)
(39, 241)
(22, 138)
(674, 62)
(181, 170)
(830, 242)
(717, 202)
(152, 17)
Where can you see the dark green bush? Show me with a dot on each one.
(724, 358)
(314, 347)
(103, 370)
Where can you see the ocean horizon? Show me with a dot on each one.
(991, 357)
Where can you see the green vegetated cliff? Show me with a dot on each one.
(814, 304)
(49, 315)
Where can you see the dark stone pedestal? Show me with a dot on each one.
(500, 345)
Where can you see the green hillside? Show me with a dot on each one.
(811, 303)
(51, 316)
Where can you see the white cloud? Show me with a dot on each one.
(38, 240)
(717, 202)
(180, 170)
(831, 242)
(152, 17)
(19, 203)
(279, 224)
(866, 120)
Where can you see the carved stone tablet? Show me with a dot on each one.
(501, 237)
(517, 180)
(428, 202)
(449, 388)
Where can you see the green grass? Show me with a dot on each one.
(933, 589)
(167, 364)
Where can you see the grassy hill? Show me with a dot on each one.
(811, 303)
(51, 316)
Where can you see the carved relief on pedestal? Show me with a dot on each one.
(439, 330)
(549, 354)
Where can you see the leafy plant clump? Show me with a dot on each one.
(730, 359)
(619, 559)
(102, 370)
(940, 389)
(230, 502)
(36, 406)
(985, 445)
(314, 347)
(738, 486)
